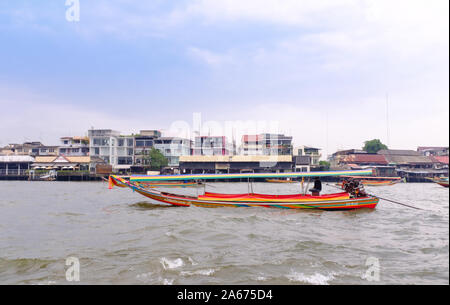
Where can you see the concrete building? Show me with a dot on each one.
(32, 149)
(113, 148)
(144, 142)
(301, 163)
(14, 165)
(173, 148)
(252, 145)
(74, 146)
(211, 146)
(266, 144)
(433, 151)
(312, 152)
(235, 164)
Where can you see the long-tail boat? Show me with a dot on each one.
(337, 201)
(157, 184)
(280, 181)
(443, 181)
(376, 181)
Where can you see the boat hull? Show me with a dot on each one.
(256, 200)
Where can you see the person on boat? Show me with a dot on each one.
(315, 191)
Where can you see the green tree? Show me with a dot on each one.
(324, 165)
(157, 160)
(373, 146)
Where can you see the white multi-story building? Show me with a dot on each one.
(212, 146)
(113, 148)
(312, 152)
(74, 146)
(173, 148)
(266, 144)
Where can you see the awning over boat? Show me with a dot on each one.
(250, 175)
(375, 178)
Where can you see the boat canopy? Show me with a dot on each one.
(382, 178)
(140, 178)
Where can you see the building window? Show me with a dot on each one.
(101, 142)
(120, 142)
(125, 160)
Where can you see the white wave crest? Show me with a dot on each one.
(206, 272)
(315, 279)
(171, 264)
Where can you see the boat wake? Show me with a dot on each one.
(314, 279)
(150, 206)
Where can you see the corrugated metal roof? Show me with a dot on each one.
(16, 159)
(365, 158)
(239, 158)
(408, 159)
(440, 159)
(45, 159)
(399, 152)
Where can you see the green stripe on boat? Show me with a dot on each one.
(248, 176)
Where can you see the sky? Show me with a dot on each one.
(331, 73)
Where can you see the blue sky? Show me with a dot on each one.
(319, 70)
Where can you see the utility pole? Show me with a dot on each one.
(387, 120)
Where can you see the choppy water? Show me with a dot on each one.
(119, 237)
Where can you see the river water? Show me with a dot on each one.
(120, 237)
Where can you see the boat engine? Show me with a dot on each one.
(355, 188)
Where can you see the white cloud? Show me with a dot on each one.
(290, 12)
(41, 119)
(208, 57)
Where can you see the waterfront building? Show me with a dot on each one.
(252, 145)
(266, 144)
(32, 149)
(235, 164)
(173, 148)
(74, 146)
(14, 165)
(211, 146)
(6, 151)
(113, 148)
(439, 162)
(61, 163)
(433, 150)
(412, 165)
(312, 152)
(360, 159)
(144, 142)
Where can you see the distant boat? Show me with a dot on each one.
(378, 181)
(443, 181)
(280, 181)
